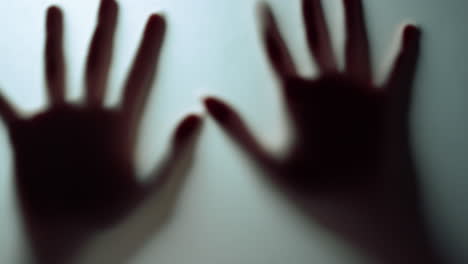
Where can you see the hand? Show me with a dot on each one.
(74, 163)
(350, 162)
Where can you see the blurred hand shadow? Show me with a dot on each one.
(74, 167)
(350, 166)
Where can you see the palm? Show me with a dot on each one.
(74, 162)
(340, 131)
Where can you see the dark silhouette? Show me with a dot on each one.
(350, 165)
(74, 163)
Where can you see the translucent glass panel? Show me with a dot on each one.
(225, 214)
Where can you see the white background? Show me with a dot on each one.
(213, 47)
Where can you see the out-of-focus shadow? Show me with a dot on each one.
(350, 165)
(74, 164)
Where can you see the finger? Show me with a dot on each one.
(185, 132)
(161, 193)
(233, 125)
(141, 75)
(358, 64)
(7, 111)
(275, 45)
(402, 75)
(318, 37)
(54, 58)
(100, 53)
(181, 153)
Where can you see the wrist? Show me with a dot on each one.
(55, 245)
(397, 239)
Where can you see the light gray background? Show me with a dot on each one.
(213, 47)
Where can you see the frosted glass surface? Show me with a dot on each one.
(225, 215)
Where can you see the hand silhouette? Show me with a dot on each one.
(74, 162)
(350, 162)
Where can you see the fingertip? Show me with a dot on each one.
(411, 35)
(107, 6)
(412, 30)
(413, 27)
(157, 20)
(354, 12)
(347, 3)
(268, 18)
(351, 4)
(217, 109)
(108, 3)
(187, 127)
(54, 11)
(263, 10)
(156, 24)
(191, 122)
(54, 16)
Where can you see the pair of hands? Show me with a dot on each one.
(74, 163)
